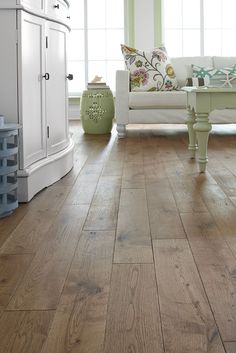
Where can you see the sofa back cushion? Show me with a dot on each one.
(183, 66)
(149, 71)
(222, 61)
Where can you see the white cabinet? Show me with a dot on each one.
(33, 92)
(32, 88)
(56, 88)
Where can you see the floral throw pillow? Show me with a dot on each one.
(149, 71)
(224, 77)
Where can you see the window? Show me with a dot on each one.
(94, 42)
(199, 27)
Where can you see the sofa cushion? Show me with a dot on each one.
(183, 66)
(149, 71)
(222, 61)
(152, 100)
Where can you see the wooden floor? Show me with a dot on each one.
(131, 252)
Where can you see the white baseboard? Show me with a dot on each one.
(44, 173)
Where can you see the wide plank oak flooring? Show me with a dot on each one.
(133, 251)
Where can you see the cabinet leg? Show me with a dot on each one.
(191, 119)
(202, 128)
(121, 129)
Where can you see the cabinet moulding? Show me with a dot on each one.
(32, 179)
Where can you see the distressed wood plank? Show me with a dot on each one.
(113, 168)
(83, 190)
(92, 168)
(217, 267)
(133, 322)
(70, 178)
(164, 217)
(187, 321)
(167, 152)
(43, 283)
(12, 270)
(221, 208)
(230, 347)
(104, 208)
(154, 171)
(133, 176)
(80, 319)
(133, 150)
(133, 241)
(8, 224)
(187, 194)
(50, 199)
(224, 178)
(30, 233)
(24, 332)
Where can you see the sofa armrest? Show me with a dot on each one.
(122, 96)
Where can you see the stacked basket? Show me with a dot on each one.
(8, 167)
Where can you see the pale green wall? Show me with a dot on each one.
(158, 23)
(134, 23)
(130, 23)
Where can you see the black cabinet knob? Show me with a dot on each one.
(70, 77)
(46, 76)
(56, 6)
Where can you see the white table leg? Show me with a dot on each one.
(202, 128)
(191, 120)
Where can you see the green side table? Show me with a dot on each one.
(97, 111)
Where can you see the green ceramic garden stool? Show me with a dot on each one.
(97, 111)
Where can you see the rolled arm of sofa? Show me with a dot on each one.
(122, 97)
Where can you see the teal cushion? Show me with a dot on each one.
(223, 77)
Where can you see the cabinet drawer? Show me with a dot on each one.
(58, 9)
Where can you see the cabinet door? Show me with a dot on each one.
(31, 68)
(56, 88)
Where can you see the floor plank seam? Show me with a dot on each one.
(113, 255)
(153, 259)
(29, 310)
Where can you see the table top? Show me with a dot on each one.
(208, 89)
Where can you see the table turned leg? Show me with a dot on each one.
(191, 120)
(202, 128)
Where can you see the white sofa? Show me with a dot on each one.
(164, 107)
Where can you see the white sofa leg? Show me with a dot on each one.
(121, 129)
